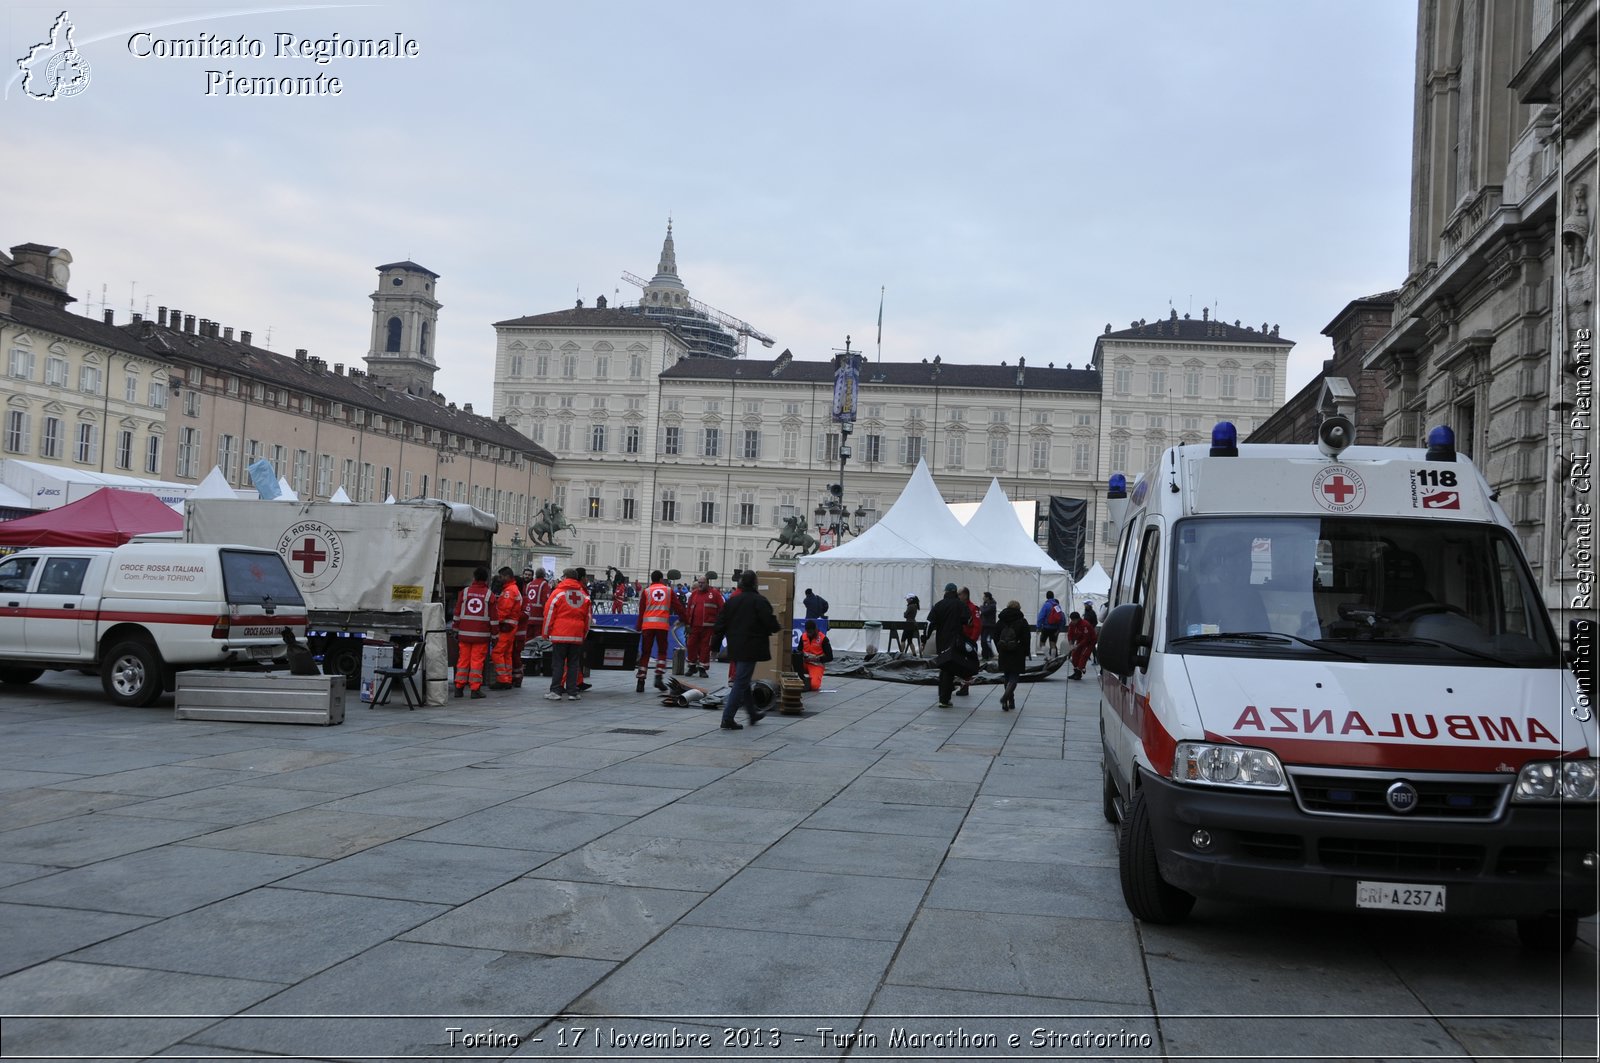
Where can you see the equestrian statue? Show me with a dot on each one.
(542, 532)
(793, 536)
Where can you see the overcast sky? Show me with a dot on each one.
(1014, 175)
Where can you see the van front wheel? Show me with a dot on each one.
(131, 674)
(1148, 896)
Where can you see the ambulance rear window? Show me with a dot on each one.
(250, 577)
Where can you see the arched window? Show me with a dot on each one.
(422, 346)
(392, 346)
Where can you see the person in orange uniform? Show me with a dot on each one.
(567, 618)
(534, 591)
(705, 602)
(508, 620)
(816, 652)
(657, 607)
(473, 632)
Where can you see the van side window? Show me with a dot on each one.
(14, 573)
(63, 575)
(1122, 584)
(1145, 580)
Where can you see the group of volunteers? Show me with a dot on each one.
(496, 618)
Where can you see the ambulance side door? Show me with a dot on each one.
(1123, 700)
(16, 574)
(61, 619)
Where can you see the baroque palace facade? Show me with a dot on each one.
(173, 398)
(669, 459)
(1491, 332)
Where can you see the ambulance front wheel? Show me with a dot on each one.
(1148, 896)
(1557, 931)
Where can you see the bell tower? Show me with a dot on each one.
(404, 316)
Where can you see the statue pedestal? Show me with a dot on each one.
(781, 564)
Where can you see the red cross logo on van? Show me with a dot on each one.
(314, 553)
(1339, 489)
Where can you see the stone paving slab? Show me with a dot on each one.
(855, 853)
(24, 808)
(659, 862)
(156, 882)
(860, 907)
(314, 832)
(434, 872)
(446, 988)
(560, 918)
(87, 839)
(512, 826)
(34, 934)
(269, 934)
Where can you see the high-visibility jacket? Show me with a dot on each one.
(508, 608)
(704, 605)
(657, 607)
(566, 614)
(533, 600)
(473, 622)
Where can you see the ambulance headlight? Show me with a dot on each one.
(1217, 765)
(1558, 780)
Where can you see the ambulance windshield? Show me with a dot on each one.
(1397, 590)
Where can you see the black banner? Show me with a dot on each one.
(1069, 526)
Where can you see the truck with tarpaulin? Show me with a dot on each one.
(367, 571)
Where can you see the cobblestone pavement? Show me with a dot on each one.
(607, 879)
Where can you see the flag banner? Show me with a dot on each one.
(846, 382)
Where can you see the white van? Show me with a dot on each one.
(1328, 681)
(141, 612)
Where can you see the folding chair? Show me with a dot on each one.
(405, 676)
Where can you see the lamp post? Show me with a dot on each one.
(846, 392)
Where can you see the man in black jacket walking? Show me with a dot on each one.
(748, 623)
(947, 621)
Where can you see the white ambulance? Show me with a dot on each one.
(141, 612)
(1328, 681)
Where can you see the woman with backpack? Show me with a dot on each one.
(1050, 622)
(1011, 645)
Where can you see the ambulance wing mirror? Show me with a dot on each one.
(1123, 646)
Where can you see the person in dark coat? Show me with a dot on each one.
(947, 622)
(988, 612)
(748, 623)
(911, 641)
(816, 605)
(1011, 640)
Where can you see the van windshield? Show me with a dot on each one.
(1407, 591)
(258, 577)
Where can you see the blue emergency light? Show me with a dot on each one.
(1117, 486)
(1441, 444)
(1224, 440)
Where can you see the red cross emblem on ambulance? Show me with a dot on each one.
(1339, 489)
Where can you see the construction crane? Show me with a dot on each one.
(743, 329)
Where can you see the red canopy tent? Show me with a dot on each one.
(109, 517)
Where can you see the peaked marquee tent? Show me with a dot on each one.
(1095, 586)
(109, 517)
(915, 548)
(995, 525)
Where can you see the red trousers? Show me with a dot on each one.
(656, 638)
(698, 650)
(470, 658)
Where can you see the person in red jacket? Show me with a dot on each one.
(656, 609)
(507, 614)
(705, 603)
(567, 619)
(1081, 638)
(473, 631)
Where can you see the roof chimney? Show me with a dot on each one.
(188, 323)
(110, 316)
(227, 333)
(138, 317)
(600, 302)
(244, 337)
(338, 369)
(161, 316)
(466, 407)
(300, 355)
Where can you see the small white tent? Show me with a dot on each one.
(996, 527)
(1095, 586)
(916, 548)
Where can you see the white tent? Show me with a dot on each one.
(216, 485)
(52, 486)
(996, 527)
(1095, 586)
(916, 548)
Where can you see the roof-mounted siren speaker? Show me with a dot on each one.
(1117, 499)
(1334, 434)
